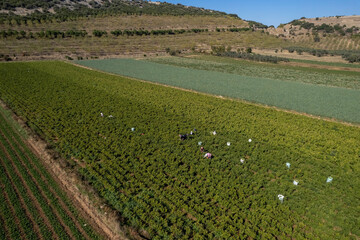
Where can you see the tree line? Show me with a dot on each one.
(51, 34)
(351, 56)
(245, 54)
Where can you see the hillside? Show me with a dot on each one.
(331, 33)
(31, 10)
(101, 29)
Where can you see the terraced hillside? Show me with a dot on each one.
(127, 35)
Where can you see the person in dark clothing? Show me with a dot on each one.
(183, 137)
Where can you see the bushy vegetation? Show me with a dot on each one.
(141, 32)
(248, 55)
(351, 56)
(66, 12)
(342, 30)
(50, 34)
(254, 24)
(164, 186)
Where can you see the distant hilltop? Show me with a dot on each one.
(319, 26)
(13, 8)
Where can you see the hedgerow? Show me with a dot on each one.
(252, 56)
(349, 55)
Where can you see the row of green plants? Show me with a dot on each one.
(42, 186)
(51, 217)
(352, 56)
(247, 54)
(126, 134)
(141, 32)
(252, 56)
(51, 34)
(12, 212)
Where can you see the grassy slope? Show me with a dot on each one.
(164, 178)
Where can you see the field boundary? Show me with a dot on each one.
(224, 97)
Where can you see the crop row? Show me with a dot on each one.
(165, 186)
(47, 208)
(52, 34)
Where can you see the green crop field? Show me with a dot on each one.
(32, 206)
(335, 78)
(326, 101)
(134, 158)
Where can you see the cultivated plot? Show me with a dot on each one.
(32, 204)
(125, 134)
(331, 102)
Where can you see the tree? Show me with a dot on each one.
(249, 50)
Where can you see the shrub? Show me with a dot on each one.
(99, 33)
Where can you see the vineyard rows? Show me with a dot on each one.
(164, 186)
(32, 204)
